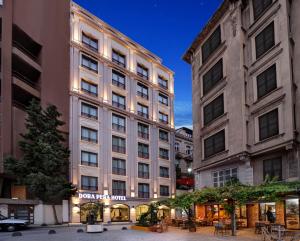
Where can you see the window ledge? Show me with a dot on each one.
(266, 53)
(213, 121)
(269, 139)
(215, 155)
(266, 95)
(219, 86)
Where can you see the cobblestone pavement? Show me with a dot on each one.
(70, 234)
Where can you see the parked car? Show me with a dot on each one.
(10, 224)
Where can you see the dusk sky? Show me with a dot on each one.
(166, 28)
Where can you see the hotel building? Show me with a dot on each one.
(246, 100)
(121, 123)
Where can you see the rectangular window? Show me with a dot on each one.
(163, 118)
(143, 110)
(212, 77)
(214, 144)
(268, 125)
(142, 91)
(211, 44)
(144, 190)
(266, 81)
(118, 188)
(118, 58)
(142, 71)
(90, 42)
(118, 79)
(89, 111)
(164, 153)
(163, 99)
(164, 190)
(118, 166)
(88, 134)
(89, 63)
(273, 168)
(143, 150)
(143, 131)
(118, 144)
(259, 7)
(213, 110)
(265, 40)
(162, 82)
(89, 88)
(163, 135)
(89, 158)
(89, 183)
(164, 172)
(118, 123)
(143, 170)
(118, 101)
(220, 178)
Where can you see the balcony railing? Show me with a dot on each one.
(89, 92)
(89, 139)
(118, 84)
(89, 115)
(26, 80)
(143, 95)
(145, 115)
(91, 188)
(118, 128)
(119, 192)
(119, 149)
(145, 77)
(116, 61)
(143, 194)
(119, 171)
(163, 121)
(118, 105)
(144, 175)
(143, 135)
(89, 46)
(144, 155)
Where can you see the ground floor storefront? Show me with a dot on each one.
(112, 209)
(285, 212)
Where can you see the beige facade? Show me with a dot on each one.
(245, 112)
(121, 120)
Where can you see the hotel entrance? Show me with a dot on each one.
(92, 211)
(119, 213)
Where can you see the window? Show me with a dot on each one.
(118, 58)
(259, 6)
(118, 101)
(211, 44)
(212, 77)
(89, 158)
(188, 150)
(164, 190)
(89, 183)
(163, 99)
(266, 81)
(89, 111)
(143, 150)
(176, 146)
(164, 172)
(163, 136)
(220, 178)
(89, 63)
(143, 170)
(90, 42)
(118, 79)
(142, 110)
(118, 188)
(142, 91)
(164, 153)
(118, 166)
(88, 134)
(273, 168)
(214, 144)
(143, 131)
(265, 40)
(118, 144)
(91, 89)
(118, 123)
(144, 190)
(142, 71)
(213, 110)
(268, 125)
(163, 83)
(163, 118)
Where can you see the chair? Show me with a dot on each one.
(296, 237)
(266, 236)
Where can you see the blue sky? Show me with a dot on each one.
(166, 28)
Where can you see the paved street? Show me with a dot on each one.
(70, 234)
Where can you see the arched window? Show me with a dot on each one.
(94, 210)
(119, 213)
(163, 212)
(141, 209)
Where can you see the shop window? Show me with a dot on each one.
(140, 210)
(163, 212)
(292, 213)
(267, 212)
(119, 213)
(91, 211)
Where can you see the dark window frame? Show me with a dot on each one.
(117, 126)
(266, 81)
(259, 10)
(143, 134)
(267, 128)
(141, 191)
(212, 77)
(164, 190)
(143, 113)
(116, 81)
(211, 44)
(164, 172)
(89, 115)
(117, 103)
(262, 43)
(90, 62)
(142, 73)
(213, 110)
(164, 153)
(141, 150)
(89, 139)
(116, 56)
(212, 142)
(89, 186)
(89, 162)
(119, 191)
(118, 170)
(89, 84)
(117, 147)
(145, 172)
(274, 168)
(89, 42)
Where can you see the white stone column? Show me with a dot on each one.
(106, 214)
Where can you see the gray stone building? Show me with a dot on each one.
(245, 93)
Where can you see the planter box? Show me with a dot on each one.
(141, 228)
(94, 228)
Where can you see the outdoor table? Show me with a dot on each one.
(280, 232)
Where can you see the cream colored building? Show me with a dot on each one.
(121, 123)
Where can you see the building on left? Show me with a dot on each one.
(34, 49)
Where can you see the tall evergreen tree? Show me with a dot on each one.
(44, 165)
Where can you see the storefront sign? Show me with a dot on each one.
(95, 196)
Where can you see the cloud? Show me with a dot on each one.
(183, 114)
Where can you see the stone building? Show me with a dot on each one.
(246, 96)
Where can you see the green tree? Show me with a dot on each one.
(44, 165)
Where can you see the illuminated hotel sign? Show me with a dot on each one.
(95, 196)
